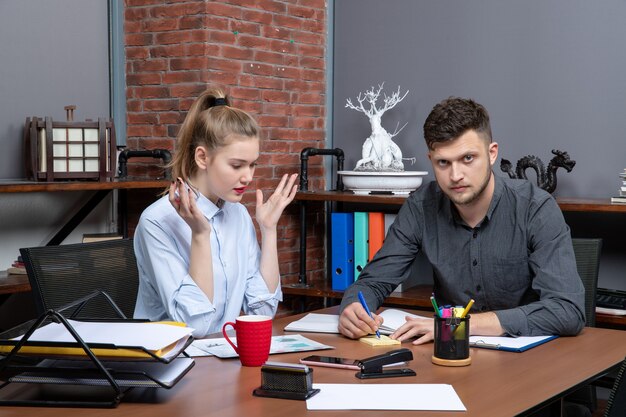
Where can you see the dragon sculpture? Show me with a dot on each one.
(546, 179)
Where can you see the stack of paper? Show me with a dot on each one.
(108, 339)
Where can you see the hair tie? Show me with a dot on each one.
(220, 101)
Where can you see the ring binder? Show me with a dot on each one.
(54, 367)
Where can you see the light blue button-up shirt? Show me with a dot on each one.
(167, 291)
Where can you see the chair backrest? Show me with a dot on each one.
(62, 274)
(587, 252)
(616, 404)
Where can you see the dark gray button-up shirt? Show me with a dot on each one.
(518, 261)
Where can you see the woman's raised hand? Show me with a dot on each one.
(268, 213)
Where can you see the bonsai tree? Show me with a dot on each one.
(379, 152)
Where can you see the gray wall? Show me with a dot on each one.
(550, 72)
(53, 53)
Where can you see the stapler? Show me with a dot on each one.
(373, 367)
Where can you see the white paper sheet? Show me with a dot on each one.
(314, 322)
(439, 397)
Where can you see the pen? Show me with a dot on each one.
(467, 308)
(367, 310)
(435, 306)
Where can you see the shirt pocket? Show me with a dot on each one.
(511, 274)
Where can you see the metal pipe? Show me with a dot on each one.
(126, 154)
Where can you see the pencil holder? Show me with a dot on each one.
(451, 345)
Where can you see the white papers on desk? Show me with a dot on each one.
(280, 344)
(314, 322)
(439, 397)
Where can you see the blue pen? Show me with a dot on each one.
(367, 310)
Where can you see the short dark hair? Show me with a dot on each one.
(454, 116)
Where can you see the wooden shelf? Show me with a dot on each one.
(100, 189)
(566, 204)
(12, 283)
(610, 321)
(414, 297)
(590, 205)
(25, 186)
(349, 197)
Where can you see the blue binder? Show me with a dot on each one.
(342, 250)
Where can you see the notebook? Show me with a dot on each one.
(511, 344)
(327, 323)
(314, 322)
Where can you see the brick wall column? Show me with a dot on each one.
(270, 58)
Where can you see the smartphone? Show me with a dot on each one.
(189, 190)
(331, 362)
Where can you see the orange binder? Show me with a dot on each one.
(377, 232)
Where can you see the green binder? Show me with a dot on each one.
(361, 244)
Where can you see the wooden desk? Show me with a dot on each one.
(496, 384)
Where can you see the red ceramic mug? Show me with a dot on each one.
(254, 337)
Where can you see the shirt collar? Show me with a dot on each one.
(207, 207)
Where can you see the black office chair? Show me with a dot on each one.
(616, 405)
(587, 253)
(62, 274)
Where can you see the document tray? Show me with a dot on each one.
(115, 377)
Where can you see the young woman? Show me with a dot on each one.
(197, 251)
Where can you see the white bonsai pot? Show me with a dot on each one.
(396, 182)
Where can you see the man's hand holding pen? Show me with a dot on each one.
(354, 321)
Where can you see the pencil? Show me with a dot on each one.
(435, 306)
(467, 308)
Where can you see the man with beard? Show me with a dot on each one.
(502, 242)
